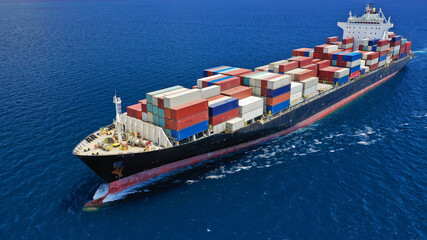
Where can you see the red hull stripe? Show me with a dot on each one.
(138, 178)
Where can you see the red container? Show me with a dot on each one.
(393, 44)
(175, 124)
(316, 55)
(372, 67)
(328, 71)
(322, 64)
(237, 72)
(320, 48)
(302, 61)
(303, 75)
(374, 55)
(355, 74)
(383, 53)
(278, 99)
(228, 83)
(288, 66)
(408, 46)
(360, 47)
(264, 82)
(224, 117)
(315, 60)
(312, 66)
(347, 40)
(143, 105)
(332, 39)
(238, 92)
(205, 82)
(185, 110)
(383, 42)
(390, 35)
(135, 111)
(402, 48)
(300, 51)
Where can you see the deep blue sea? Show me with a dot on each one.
(359, 173)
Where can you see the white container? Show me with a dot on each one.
(341, 73)
(219, 128)
(211, 91)
(296, 87)
(310, 82)
(364, 42)
(324, 87)
(218, 100)
(182, 98)
(382, 63)
(309, 91)
(256, 91)
(155, 98)
(382, 48)
(253, 114)
(262, 68)
(201, 80)
(295, 96)
(353, 64)
(235, 124)
(296, 101)
(293, 58)
(371, 62)
(280, 81)
(330, 48)
(249, 104)
(256, 81)
(144, 116)
(346, 46)
(150, 117)
(272, 65)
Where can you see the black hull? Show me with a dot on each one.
(135, 163)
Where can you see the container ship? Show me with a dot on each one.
(233, 108)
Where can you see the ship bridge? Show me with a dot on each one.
(372, 24)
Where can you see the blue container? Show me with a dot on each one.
(223, 106)
(149, 107)
(277, 92)
(156, 119)
(396, 38)
(401, 55)
(355, 69)
(362, 71)
(206, 71)
(210, 83)
(352, 56)
(162, 122)
(374, 48)
(341, 80)
(382, 58)
(278, 107)
(161, 113)
(155, 110)
(334, 62)
(335, 55)
(190, 131)
(373, 42)
(226, 69)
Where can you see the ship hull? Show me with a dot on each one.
(140, 167)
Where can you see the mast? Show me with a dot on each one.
(118, 103)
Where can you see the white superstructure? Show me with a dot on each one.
(372, 24)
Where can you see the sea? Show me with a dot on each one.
(359, 173)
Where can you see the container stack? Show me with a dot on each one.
(347, 44)
(349, 60)
(234, 124)
(221, 110)
(395, 43)
(211, 91)
(135, 111)
(186, 120)
(152, 108)
(303, 61)
(310, 86)
(251, 108)
(335, 75)
(408, 47)
(303, 52)
(331, 40)
(371, 59)
(287, 66)
(403, 51)
(238, 92)
(223, 81)
(144, 109)
(265, 68)
(300, 74)
(322, 51)
(274, 66)
(363, 44)
(225, 70)
(296, 93)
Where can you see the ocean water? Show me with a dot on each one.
(359, 173)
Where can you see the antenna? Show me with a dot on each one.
(118, 102)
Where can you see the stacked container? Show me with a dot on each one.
(238, 92)
(221, 110)
(225, 70)
(363, 44)
(310, 86)
(144, 109)
(296, 93)
(303, 52)
(152, 103)
(322, 51)
(371, 59)
(300, 74)
(303, 61)
(251, 108)
(274, 66)
(350, 60)
(223, 81)
(331, 40)
(335, 75)
(186, 120)
(264, 68)
(347, 44)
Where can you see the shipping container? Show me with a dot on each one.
(330, 40)
(309, 92)
(303, 61)
(253, 114)
(185, 110)
(225, 84)
(224, 116)
(211, 91)
(310, 82)
(249, 104)
(182, 98)
(276, 100)
(212, 71)
(220, 106)
(277, 108)
(151, 94)
(235, 124)
(135, 111)
(178, 124)
(238, 92)
(285, 67)
(264, 68)
(190, 131)
(277, 92)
